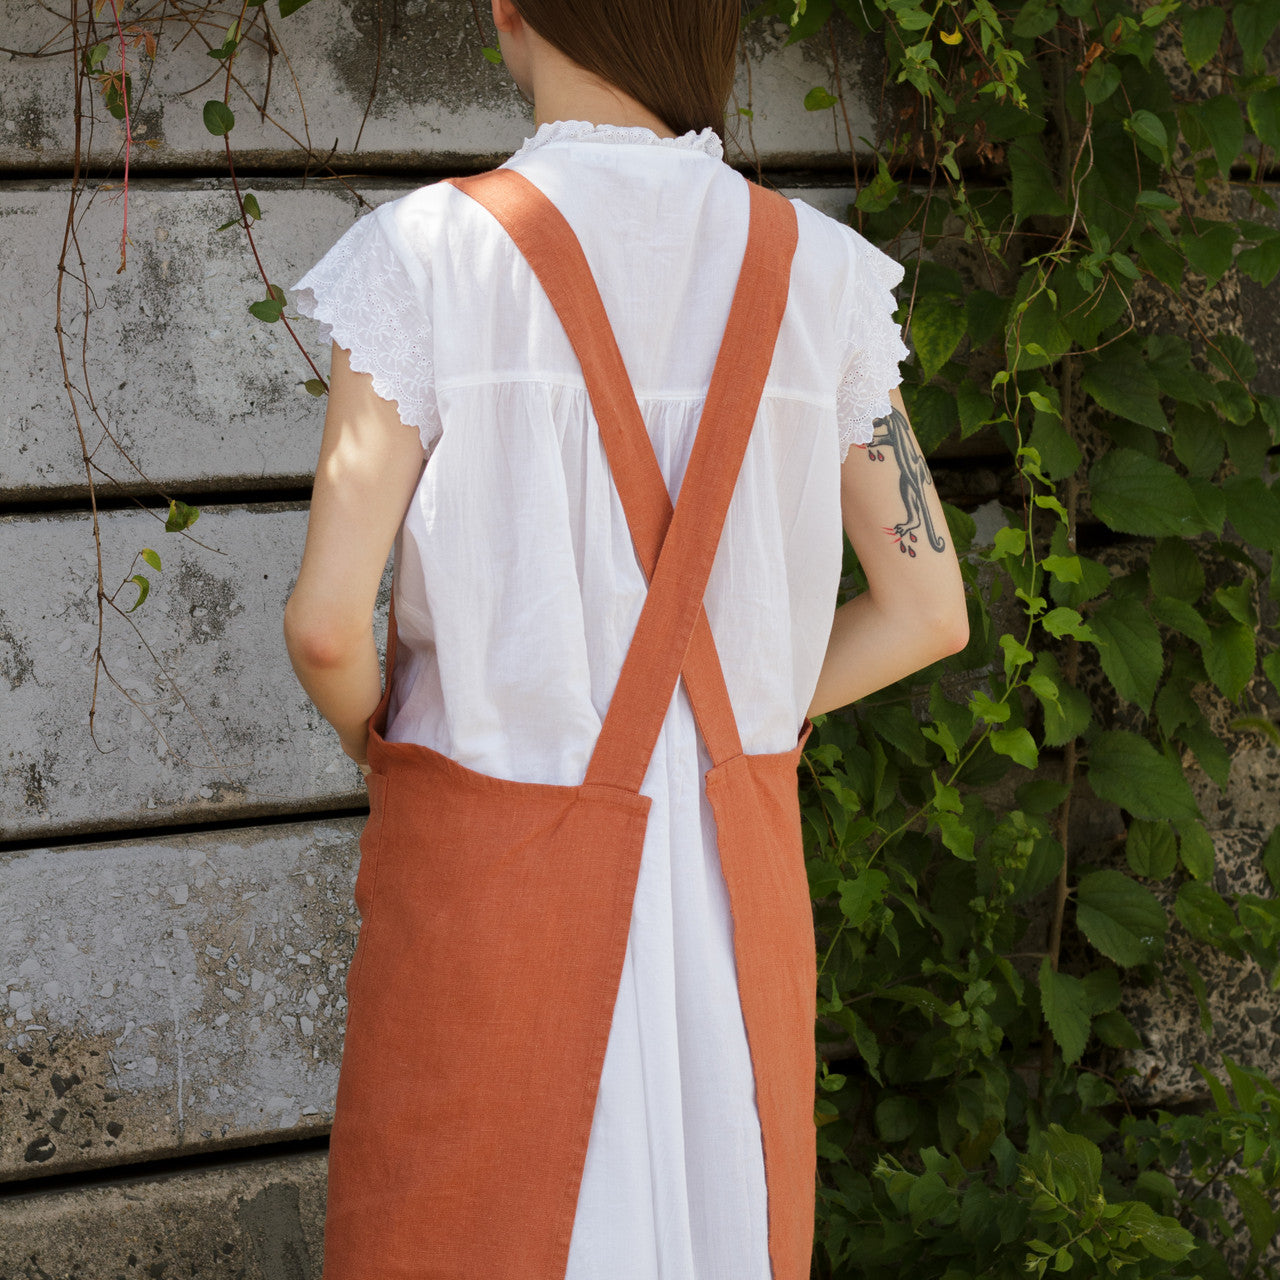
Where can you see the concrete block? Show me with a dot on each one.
(252, 1219)
(199, 393)
(394, 88)
(205, 720)
(172, 995)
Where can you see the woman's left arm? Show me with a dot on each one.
(370, 462)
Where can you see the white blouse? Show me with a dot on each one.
(517, 588)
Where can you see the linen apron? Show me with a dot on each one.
(495, 914)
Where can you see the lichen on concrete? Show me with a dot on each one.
(173, 994)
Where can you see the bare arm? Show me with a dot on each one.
(369, 465)
(913, 612)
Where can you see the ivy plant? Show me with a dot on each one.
(1077, 189)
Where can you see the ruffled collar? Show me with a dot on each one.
(705, 141)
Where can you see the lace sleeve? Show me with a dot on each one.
(871, 343)
(369, 296)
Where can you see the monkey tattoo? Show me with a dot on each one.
(892, 433)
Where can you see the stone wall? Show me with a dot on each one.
(176, 911)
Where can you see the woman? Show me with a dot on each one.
(580, 1033)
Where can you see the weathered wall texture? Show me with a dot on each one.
(176, 913)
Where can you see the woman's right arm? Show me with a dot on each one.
(913, 611)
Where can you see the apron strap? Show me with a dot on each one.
(555, 255)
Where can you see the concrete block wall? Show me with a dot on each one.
(176, 912)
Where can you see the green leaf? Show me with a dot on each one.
(880, 192)
(1122, 384)
(1064, 568)
(1149, 128)
(1066, 1010)
(1197, 440)
(1035, 193)
(1059, 453)
(956, 834)
(1210, 249)
(1017, 744)
(218, 118)
(1075, 1156)
(1197, 850)
(1114, 1029)
(1162, 1237)
(1181, 617)
(1101, 81)
(1034, 18)
(1261, 262)
(151, 558)
(1254, 23)
(1132, 493)
(1041, 795)
(1166, 263)
(1151, 850)
(859, 897)
(895, 1117)
(1129, 648)
(1063, 621)
(1067, 715)
(268, 309)
(937, 325)
(291, 6)
(1230, 657)
(1271, 858)
(1260, 1219)
(1271, 668)
(1202, 33)
(144, 589)
(1103, 989)
(180, 517)
(1254, 509)
(1175, 570)
(1120, 917)
(1222, 122)
(1206, 916)
(492, 55)
(1264, 116)
(1127, 770)
(819, 99)
(315, 386)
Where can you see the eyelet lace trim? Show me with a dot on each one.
(871, 346)
(705, 140)
(363, 299)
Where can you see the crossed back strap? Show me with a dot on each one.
(676, 548)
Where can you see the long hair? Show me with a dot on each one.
(675, 57)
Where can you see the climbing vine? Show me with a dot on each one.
(1078, 190)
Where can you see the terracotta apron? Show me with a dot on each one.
(495, 914)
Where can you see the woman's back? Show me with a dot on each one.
(517, 585)
(518, 589)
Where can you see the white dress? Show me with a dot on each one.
(517, 589)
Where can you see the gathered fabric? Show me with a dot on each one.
(519, 586)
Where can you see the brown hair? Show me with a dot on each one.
(675, 57)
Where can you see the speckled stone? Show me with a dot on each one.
(172, 995)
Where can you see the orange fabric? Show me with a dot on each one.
(495, 914)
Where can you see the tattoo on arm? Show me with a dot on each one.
(893, 433)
